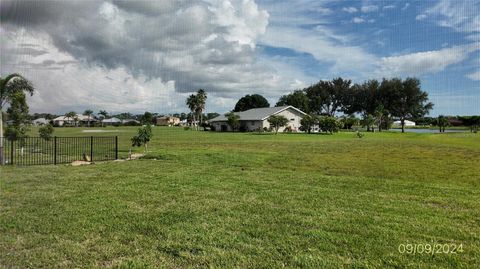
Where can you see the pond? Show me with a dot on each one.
(429, 131)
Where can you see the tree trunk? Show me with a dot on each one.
(2, 161)
(193, 120)
(403, 125)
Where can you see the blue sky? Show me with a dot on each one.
(150, 55)
(446, 34)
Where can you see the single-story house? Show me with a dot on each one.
(257, 119)
(80, 119)
(168, 121)
(112, 121)
(40, 122)
(407, 123)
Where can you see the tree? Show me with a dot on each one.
(308, 122)
(328, 124)
(10, 85)
(442, 122)
(18, 114)
(147, 118)
(410, 101)
(72, 115)
(201, 100)
(233, 120)
(88, 113)
(193, 103)
(45, 132)
(368, 121)
(277, 121)
(143, 137)
(251, 101)
(329, 97)
(297, 99)
(103, 115)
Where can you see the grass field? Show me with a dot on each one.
(203, 199)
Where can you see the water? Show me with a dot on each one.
(429, 131)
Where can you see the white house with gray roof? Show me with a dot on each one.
(257, 119)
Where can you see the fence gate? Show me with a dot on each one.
(57, 150)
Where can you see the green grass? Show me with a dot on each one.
(203, 199)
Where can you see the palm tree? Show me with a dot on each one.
(88, 113)
(72, 115)
(192, 103)
(202, 99)
(103, 115)
(9, 86)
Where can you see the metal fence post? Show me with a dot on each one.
(91, 148)
(11, 151)
(55, 150)
(116, 147)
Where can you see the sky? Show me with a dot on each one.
(136, 56)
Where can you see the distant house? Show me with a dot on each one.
(257, 118)
(168, 121)
(407, 123)
(80, 120)
(112, 121)
(40, 122)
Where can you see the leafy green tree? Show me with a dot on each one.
(329, 97)
(442, 122)
(212, 115)
(233, 120)
(470, 121)
(251, 101)
(368, 121)
(45, 132)
(9, 86)
(88, 113)
(329, 124)
(410, 101)
(18, 114)
(147, 118)
(297, 99)
(143, 137)
(349, 121)
(277, 121)
(308, 122)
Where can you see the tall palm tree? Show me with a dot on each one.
(192, 103)
(88, 113)
(73, 116)
(103, 115)
(9, 86)
(202, 99)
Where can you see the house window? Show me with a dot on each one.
(252, 123)
(292, 119)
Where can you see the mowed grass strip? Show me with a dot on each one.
(205, 199)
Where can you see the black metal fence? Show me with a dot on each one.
(57, 150)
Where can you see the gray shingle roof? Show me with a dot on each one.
(257, 113)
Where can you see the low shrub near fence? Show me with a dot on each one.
(58, 150)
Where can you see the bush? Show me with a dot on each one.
(46, 132)
(329, 124)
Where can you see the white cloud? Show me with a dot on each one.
(420, 17)
(420, 63)
(474, 76)
(350, 9)
(369, 8)
(406, 6)
(358, 20)
(389, 7)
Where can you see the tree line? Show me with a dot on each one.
(378, 102)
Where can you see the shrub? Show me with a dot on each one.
(46, 132)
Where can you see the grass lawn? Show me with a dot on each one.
(204, 199)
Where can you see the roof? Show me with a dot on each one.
(40, 120)
(112, 120)
(258, 113)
